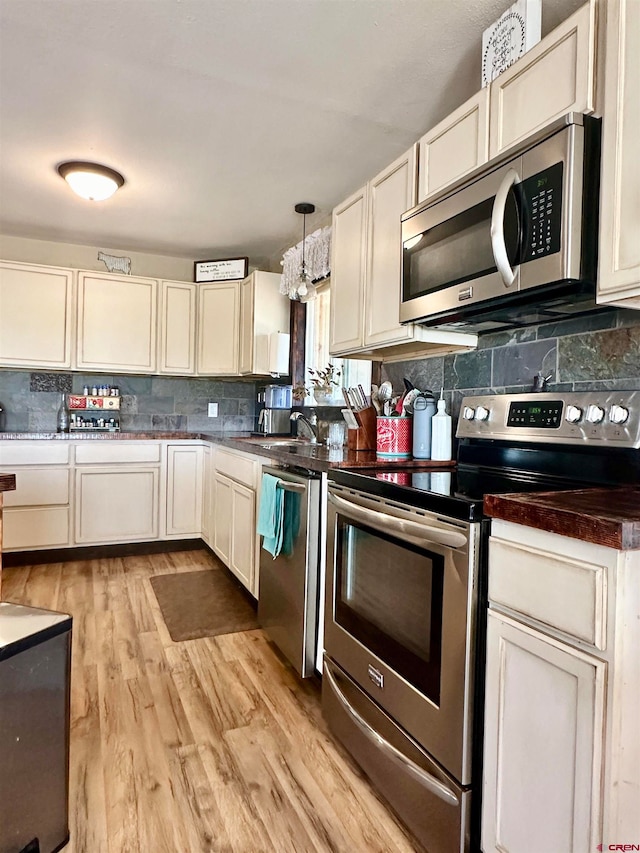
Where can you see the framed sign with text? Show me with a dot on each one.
(222, 269)
(511, 36)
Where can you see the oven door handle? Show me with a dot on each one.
(393, 753)
(498, 243)
(410, 531)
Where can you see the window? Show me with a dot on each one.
(354, 371)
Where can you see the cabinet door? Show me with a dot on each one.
(35, 316)
(555, 77)
(206, 494)
(391, 193)
(348, 262)
(619, 253)
(544, 732)
(184, 490)
(218, 329)
(222, 513)
(117, 318)
(177, 354)
(455, 146)
(263, 310)
(116, 504)
(243, 534)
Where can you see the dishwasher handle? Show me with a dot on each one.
(418, 533)
(286, 486)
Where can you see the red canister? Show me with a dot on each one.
(393, 438)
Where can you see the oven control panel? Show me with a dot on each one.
(592, 417)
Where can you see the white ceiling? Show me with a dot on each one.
(221, 114)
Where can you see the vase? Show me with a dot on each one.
(322, 398)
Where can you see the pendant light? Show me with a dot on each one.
(91, 180)
(305, 289)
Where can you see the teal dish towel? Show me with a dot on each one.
(271, 515)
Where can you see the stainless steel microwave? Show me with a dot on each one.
(515, 243)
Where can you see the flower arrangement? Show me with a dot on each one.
(323, 381)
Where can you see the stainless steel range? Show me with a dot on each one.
(406, 593)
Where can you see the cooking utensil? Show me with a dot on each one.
(385, 392)
(346, 398)
(350, 418)
(407, 403)
(408, 386)
(363, 396)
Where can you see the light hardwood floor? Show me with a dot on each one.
(206, 745)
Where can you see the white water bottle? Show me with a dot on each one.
(441, 432)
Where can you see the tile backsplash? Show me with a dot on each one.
(597, 352)
(31, 401)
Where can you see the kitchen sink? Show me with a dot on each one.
(287, 442)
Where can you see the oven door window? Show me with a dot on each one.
(458, 249)
(388, 596)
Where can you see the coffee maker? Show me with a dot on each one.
(274, 418)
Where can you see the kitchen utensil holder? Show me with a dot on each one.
(363, 438)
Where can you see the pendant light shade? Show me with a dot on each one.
(305, 289)
(91, 180)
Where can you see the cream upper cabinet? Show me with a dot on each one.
(391, 193)
(117, 323)
(177, 328)
(263, 310)
(366, 273)
(455, 146)
(36, 316)
(348, 263)
(555, 77)
(619, 250)
(218, 329)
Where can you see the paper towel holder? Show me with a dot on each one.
(279, 343)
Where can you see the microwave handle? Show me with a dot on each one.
(498, 244)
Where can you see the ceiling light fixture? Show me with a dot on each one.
(305, 289)
(91, 180)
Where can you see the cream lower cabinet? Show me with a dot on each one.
(366, 274)
(177, 328)
(37, 514)
(619, 247)
(544, 733)
(235, 492)
(116, 323)
(561, 750)
(555, 77)
(117, 492)
(36, 316)
(184, 468)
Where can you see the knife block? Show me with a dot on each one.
(363, 438)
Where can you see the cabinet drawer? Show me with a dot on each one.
(34, 453)
(566, 594)
(27, 529)
(107, 452)
(39, 487)
(241, 468)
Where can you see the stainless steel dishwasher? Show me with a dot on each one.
(288, 597)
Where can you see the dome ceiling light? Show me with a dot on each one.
(91, 180)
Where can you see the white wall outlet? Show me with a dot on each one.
(212, 410)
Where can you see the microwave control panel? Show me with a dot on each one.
(542, 203)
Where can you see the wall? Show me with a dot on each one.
(31, 401)
(86, 258)
(596, 352)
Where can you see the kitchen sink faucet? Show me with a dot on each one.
(310, 424)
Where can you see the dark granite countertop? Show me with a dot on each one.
(315, 457)
(609, 517)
